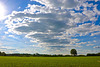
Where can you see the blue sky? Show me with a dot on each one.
(50, 26)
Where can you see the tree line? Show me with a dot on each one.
(73, 53)
(93, 54)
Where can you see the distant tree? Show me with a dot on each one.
(73, 52)
(98, 54)
(67, 55)
(3, 54)
(0, 53)
(81, 55)
(93, 54)
(37, 54)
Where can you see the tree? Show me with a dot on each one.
(0, 53)
(3, 54)
(73, 52)
(98, 54)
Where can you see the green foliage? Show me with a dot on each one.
(93, 54)
(2, 54)
(98, 54)
(49, 61)
(81, 55)
(73, 52)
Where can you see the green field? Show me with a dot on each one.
(49, 61)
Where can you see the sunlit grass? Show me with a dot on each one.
(49, 61)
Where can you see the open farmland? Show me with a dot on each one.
(49, 61)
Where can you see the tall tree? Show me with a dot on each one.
(3, 54)
(73, 52)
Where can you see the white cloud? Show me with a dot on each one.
(97, 33)
(86, 51)
(94, 41)
(7, 49)
(51, 26)
(12, 36)
(96, 47)
(19, 7)
(59, 3)
(1, 44)
(89, 13)
(83, 29)
(89, 44)
(3, 37)
(81, 43)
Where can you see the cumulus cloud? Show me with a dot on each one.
(53, 24)
(12, 36)
(96, 33)
(83, 29)
(89, 44)
(96, 47)
(94, 41)
(86, 51)
(7, 48)
(59, 3)
(81, 43)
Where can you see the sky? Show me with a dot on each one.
(50, 26)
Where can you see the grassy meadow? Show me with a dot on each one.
(49, 61)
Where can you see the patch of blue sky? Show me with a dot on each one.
(18, 5)
(98, 21)
(2, 29)
(95, 22)
(36, 3)
(98, 3)
(90, 8)
(98, 7)
(17, 43)
(78, 11)
(84, 23)
(93, 2)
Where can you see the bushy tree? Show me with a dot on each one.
(73, 52)
(2, 53)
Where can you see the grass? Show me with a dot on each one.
(49, 61)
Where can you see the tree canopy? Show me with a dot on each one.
(73, 52)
